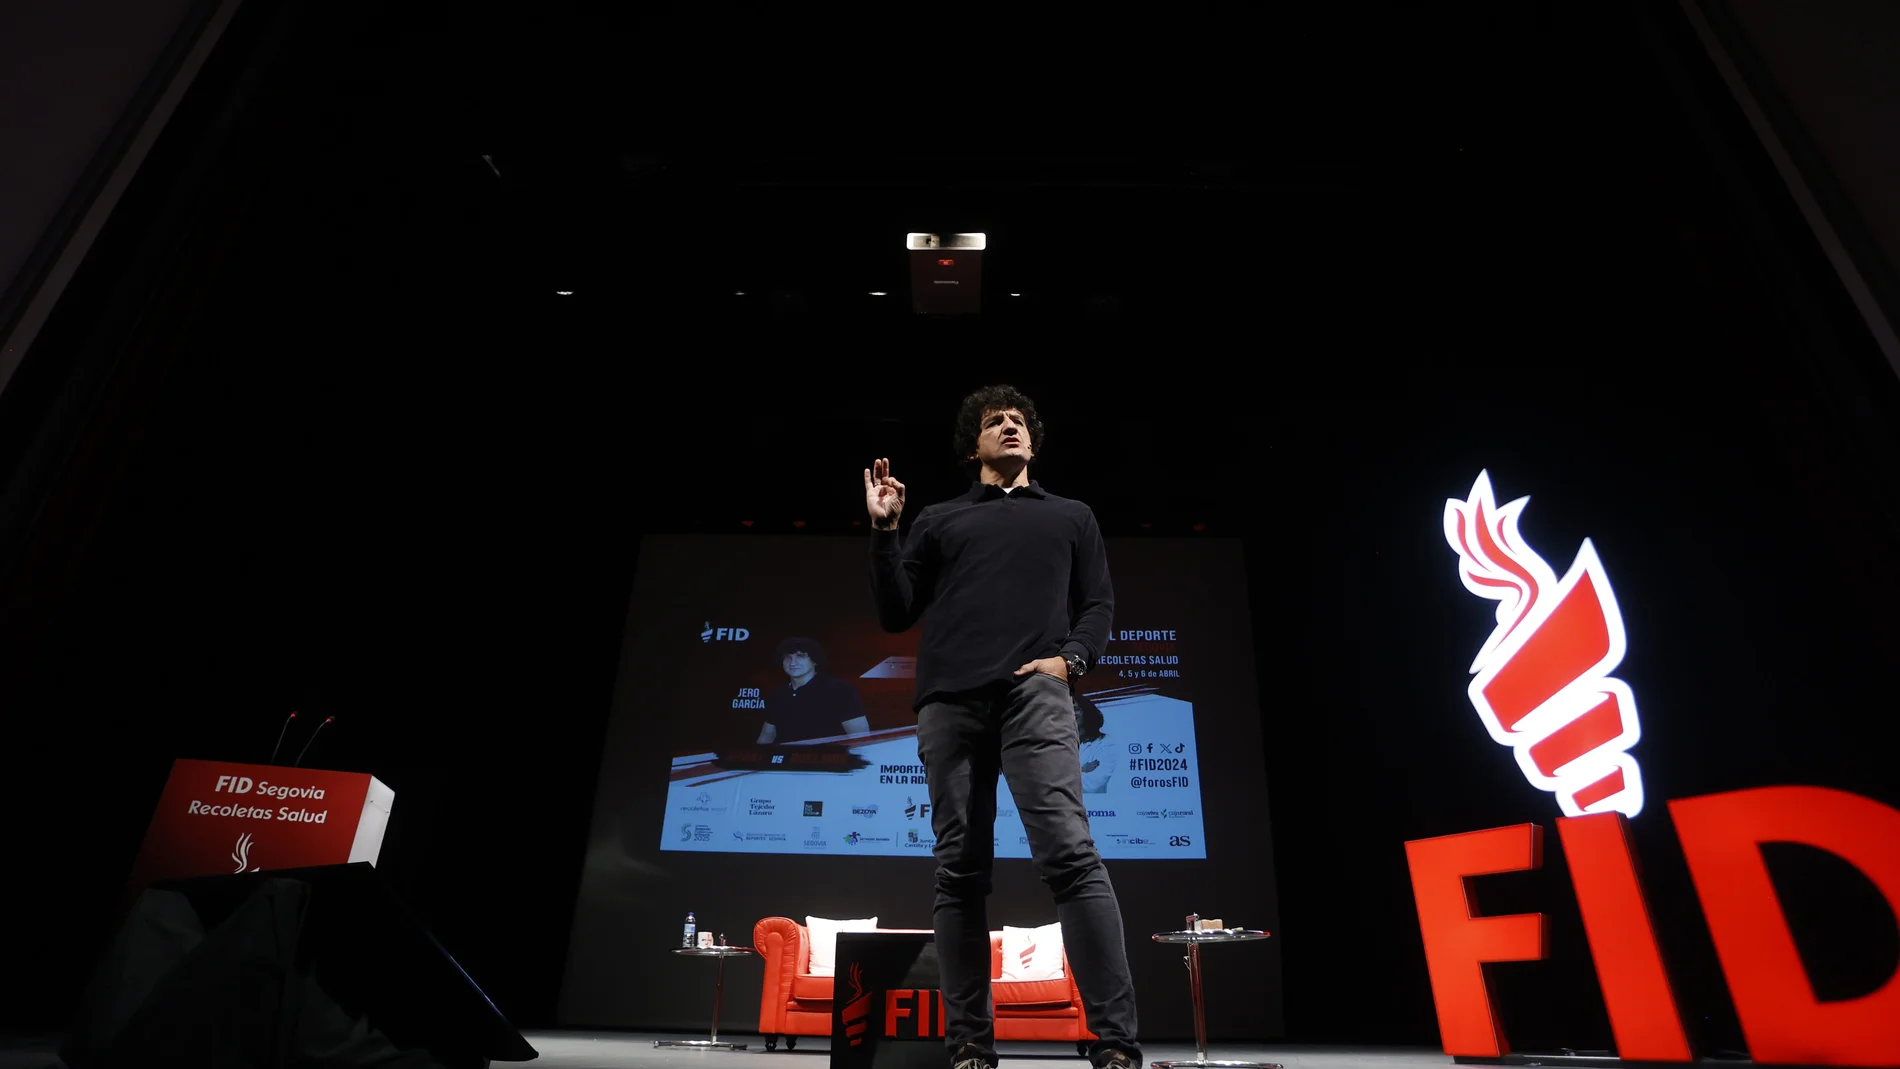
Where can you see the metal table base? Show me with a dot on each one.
(713, 1042)
(700, 1044)
(1194, 939)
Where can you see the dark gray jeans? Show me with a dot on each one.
(1026, 731)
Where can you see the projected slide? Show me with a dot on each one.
(761, 709)
(791, 724)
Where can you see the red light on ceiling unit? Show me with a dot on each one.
(946, 263)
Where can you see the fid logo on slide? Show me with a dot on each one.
(723, 634)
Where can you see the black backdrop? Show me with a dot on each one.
(365, 463)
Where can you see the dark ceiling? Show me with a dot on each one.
(1118, 160)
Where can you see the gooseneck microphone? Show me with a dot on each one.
(280, 739)
(313, 738)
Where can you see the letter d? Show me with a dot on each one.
(1721, 839)
(740, 634)
(242, 784)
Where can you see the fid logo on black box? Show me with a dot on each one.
(723, 634)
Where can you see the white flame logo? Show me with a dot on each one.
(1543, 685)
(242, 855)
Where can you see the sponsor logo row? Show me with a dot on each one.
(912, 810)
(817, 839)
(772, 807)
(1175, 841)
(702, 833)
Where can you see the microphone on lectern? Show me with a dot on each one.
(313, 738)
(280, 739)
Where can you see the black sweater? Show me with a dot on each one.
(999, 580)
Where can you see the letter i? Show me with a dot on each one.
(1642, 1006)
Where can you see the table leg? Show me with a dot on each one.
(1197, 994)
(1200, 1006)
(719, 1005)
(719, 996)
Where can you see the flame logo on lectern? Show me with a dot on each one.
(858, 1008)
(242, 854)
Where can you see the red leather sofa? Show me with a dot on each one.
(795, 1003)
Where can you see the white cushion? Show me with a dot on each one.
(1032, 953)
(824, 941)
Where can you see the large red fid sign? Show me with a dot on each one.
(215, 817)
(1721, 838)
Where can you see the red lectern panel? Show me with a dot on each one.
(215, 817)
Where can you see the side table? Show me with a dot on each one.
(719, 955)
(1194, 940)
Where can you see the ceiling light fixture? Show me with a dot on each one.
(879, 293)
(564, 293)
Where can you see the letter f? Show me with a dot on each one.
(1458, 943)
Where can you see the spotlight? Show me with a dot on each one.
(564, 293)
(738, 293)
(879, 293)
(1015, 295)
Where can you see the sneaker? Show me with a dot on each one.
(971, 1058)
(1114, 1059)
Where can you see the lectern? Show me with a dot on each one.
(215, 818)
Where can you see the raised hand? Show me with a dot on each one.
(883, 495)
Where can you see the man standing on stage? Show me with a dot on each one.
(1012, 585)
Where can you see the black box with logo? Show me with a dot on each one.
(886, 1005)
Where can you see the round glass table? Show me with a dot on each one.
(1194, 940)
(719, 955)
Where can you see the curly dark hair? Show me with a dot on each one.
(807, 646)
(994, 399)
(1089, 719)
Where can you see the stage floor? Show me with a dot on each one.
(619, 1050)
(632, 1050)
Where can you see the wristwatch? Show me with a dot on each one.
(1077, 666)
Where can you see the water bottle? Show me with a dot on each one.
(691, 931)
